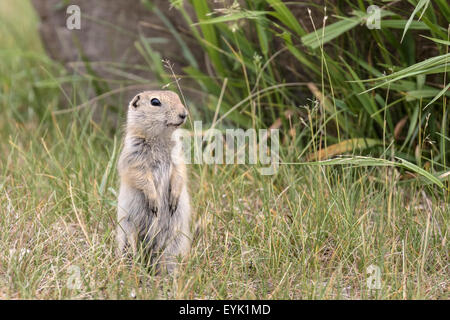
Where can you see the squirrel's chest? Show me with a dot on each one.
(161, 171)
(155, 159)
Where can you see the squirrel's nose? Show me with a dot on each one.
(183, 115)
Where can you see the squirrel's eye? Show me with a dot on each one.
(155, 102)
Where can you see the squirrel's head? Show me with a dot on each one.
(155, 113)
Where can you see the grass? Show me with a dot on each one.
(308, 232)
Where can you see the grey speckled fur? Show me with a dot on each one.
(153, 204)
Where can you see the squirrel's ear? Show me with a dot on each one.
(135, 101)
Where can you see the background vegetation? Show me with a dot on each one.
(378, 97)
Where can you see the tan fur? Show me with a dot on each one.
(153, 204)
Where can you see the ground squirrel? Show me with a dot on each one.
(153, 204)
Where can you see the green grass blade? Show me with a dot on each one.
(440, 94)
(422, 4)
(283, 14)
(315, 39)
(209, 33)
(247, 14)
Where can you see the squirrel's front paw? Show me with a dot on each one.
(153, 205)
(173, 204)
